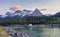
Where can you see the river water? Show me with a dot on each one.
(40, 32)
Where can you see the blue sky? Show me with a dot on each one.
(52, 6)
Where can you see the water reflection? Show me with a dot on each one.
(49, 32)
(41, 32)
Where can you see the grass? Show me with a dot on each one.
(3, 33)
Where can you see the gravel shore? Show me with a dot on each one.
(14, 33)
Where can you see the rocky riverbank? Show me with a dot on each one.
(3, 33)
(14, 33)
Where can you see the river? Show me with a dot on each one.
(39, 32)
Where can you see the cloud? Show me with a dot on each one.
(50, 10)
(43, 9)
(15, 7)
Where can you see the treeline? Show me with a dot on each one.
(33, 20)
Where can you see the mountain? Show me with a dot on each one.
(20, 13)
(48, 15)
(58, 13)
(28, 16)
(26, 10)
(36, 12)
(10, 14)
(23, 13)
(0, 16)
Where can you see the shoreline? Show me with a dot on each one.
(3, 33)
(14, 33)
(41, 26)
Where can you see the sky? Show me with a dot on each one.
(50, 6)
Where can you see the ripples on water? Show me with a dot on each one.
(40, 32)
(49, 32)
